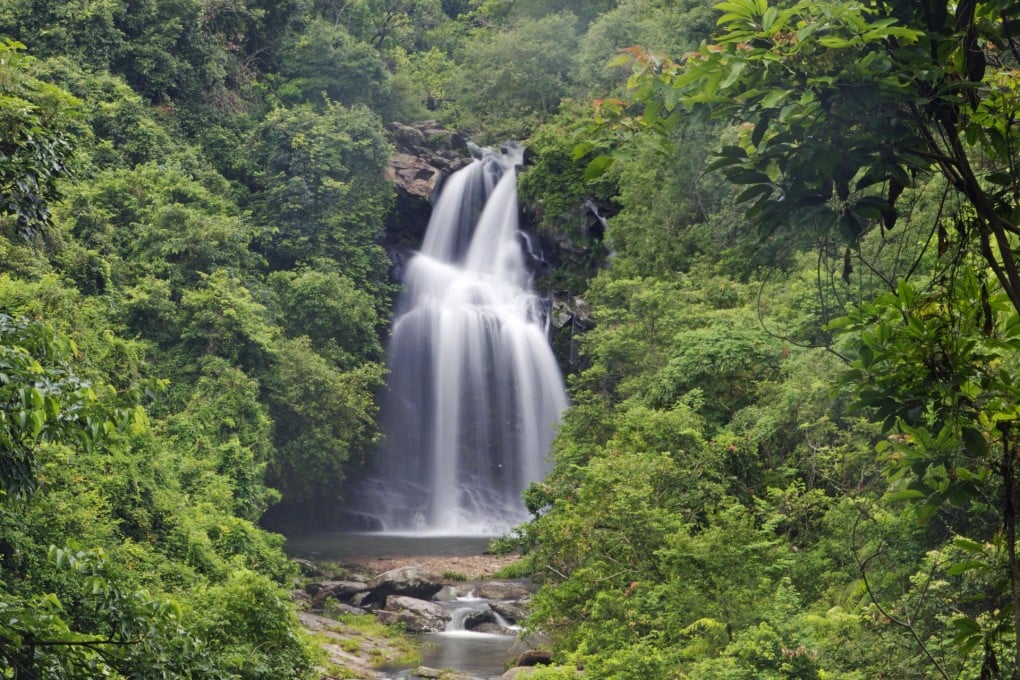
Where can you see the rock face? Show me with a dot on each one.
(406, 581)
(571, 316)
(426, 153)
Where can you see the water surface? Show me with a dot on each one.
(340, 546)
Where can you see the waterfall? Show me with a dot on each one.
(474, 393)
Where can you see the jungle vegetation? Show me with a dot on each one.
(793, 445)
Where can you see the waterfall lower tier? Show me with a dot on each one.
(474, 394)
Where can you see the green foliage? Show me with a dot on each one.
(319, 176)
(822, 150)
(324, 418)
(326, 63)
(36, 146)
(158, 221)
(254, 628)
(215, 276)
(339, 319)
(229, 431)
(104, 479)
(42, 398)
(87, 30)
(430, 74)
(122, 130)
(660, 28)
(222, 319)
(143, 635)
(840, 114)
(938, 368)
(509, 79)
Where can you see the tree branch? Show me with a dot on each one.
(905, 624)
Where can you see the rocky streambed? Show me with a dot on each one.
(465, 622)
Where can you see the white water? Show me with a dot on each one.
(474, 394)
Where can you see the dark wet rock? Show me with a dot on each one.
(492, 628)
(476, 619)
(440, 674)
(336, 609)
(535, 657)
(386, 617)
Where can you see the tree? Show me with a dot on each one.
(326, 61)
(36, 137)
(510, 77)
(840, 108)
(318, 178)
(844, 106)
(42, 397)
(325, 421)
(340, 321)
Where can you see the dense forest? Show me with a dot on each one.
(793, 445)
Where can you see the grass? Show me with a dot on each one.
(522, 568)
(370, 628)
(342, 672)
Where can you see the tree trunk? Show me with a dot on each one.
(1009, 518)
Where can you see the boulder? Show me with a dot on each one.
(407, 136)
(512, 612)
(385, 617)
(425, 152)
(418, 616)
(503, 590)
(426, 672)
(341, 608)
(341, 591)
(406, 581)
(526, 664)
(308, 568)
(535, 657)
(491, 628)
(476, 620)
(414, 176)
(446, 594)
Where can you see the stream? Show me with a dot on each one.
(483, 655)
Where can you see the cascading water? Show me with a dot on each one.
(474, 392)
